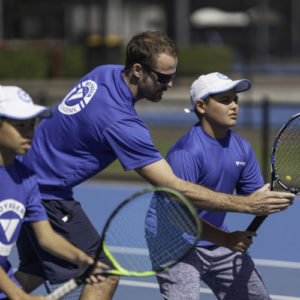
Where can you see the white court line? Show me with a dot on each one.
(127, 250)
(153, 285)
(277, 263)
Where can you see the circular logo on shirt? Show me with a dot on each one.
(78, 98)
(11, 214)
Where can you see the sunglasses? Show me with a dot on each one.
(162, 78)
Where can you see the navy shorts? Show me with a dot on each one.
(69, 220)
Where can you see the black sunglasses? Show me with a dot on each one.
(162, 78)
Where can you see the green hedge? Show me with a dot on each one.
(37, 63)
(24, 63)
(76, 60)
(204, 58)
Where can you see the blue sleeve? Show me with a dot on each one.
(251, 178)
(35, 210)
(132, 144)
(184, 165)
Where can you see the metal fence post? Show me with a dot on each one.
(265, 138)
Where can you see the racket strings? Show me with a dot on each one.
(125, 237)
(176, 233)
(287, 155)
(150, 233)
(145, 234)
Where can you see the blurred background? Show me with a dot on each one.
(46, 46)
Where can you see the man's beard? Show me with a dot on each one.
(157, 96)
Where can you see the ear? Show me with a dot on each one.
(200, 106)
(137, 70)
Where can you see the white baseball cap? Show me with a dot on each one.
(15, 103)
(215, 83)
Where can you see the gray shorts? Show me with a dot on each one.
(230, 275)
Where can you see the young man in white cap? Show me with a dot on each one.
(210, 154)
(20, 200)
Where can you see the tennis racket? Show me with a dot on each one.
(285, 162)
(147, 233)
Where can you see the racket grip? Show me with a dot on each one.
(63, 290)
(257, 221)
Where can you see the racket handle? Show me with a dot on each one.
(257, 221)
(66, 288)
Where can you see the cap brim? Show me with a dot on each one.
(23, 112)
(241, 85)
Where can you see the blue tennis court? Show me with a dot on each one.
(275, 250)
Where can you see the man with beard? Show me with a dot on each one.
(95, 124)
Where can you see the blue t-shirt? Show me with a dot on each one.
(223, 165)
(20, 201)
(92, 126)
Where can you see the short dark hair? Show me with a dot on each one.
(144, 48)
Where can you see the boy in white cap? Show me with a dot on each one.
(210, 154)
(19, 194)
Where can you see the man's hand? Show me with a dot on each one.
(264, 202)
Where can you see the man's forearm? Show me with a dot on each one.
(262, 202)
(161, 174)
(207, 199)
